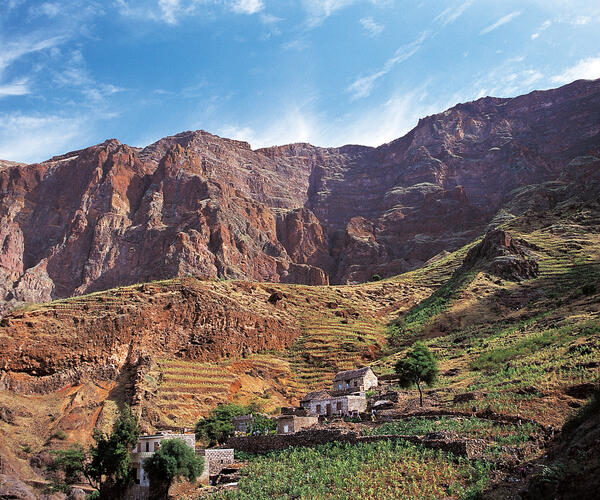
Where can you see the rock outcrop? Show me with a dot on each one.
(196, 204)
(503, 256)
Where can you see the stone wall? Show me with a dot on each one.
(470, 448)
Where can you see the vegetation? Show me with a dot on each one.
(106, 465)
(217, 427)
(110, 463)
(261, 424)
(381, 470)
(174, 459)
(67, 468)
(417, 367)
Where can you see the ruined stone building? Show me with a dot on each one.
(289, 424)
(326, 404)
(359, 380)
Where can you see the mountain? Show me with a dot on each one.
(198, 205)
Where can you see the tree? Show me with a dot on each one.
(261, 424)
(110, 465)
(218, 427)
(418, 366)
(68, 467)
(174, 459)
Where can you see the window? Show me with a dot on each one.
(338, 406)
(147, 446)
(318, 408)
(340, 386)
(286, 429)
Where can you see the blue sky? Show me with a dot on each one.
(330, 72)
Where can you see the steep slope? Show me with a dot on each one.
(198, 205)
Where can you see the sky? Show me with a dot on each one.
(330, 72)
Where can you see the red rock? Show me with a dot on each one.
(196, 204)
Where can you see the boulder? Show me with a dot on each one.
(12, 488)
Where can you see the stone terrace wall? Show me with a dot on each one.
(470, 448)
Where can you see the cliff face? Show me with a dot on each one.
(196, 204)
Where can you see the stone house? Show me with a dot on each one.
(325, 404)
(214, 461)
(241, 424)
(289, 424)
(359, 380)
(147, 445)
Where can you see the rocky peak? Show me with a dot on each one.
(503, 256)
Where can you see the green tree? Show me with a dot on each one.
(417, 367)
(173, 459)
(261, 424)
(218, 427)
(68, 467)
(110, 465)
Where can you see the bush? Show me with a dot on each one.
(376, 277)
(588, 289)
(174, 459)
(60, 434)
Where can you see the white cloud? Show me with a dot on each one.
(319, 10)
(362, 87)
(11, 51)
(29, 138)
(587, 69)
(371, 27)
(545, 25)
(247, 6)
(20, 87)
(500, 22)
(383, 123)
(452, 13)
(50, 9)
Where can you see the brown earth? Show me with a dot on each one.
(198, 205)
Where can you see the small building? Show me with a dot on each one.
(215, 460)
(306, 401)
(147, 445)
(325, 404)
(359, 380)
(289, 424)
(241, 424)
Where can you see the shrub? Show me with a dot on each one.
(60, 434)
(376, 277)
(588, 289)
(174, 459)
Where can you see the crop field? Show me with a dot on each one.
(381, 470)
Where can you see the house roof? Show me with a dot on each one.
(316, 395)
(345, 375)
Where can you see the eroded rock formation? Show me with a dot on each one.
(196, 204)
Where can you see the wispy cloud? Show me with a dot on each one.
(545, 25)
(11, 51)
(500, 22)
(587, 69)
(452, 13)
(247, 6)
(20, 87)
(371, 27)
(319, 10)
(300, 123)
(28, 138)
(362, 87)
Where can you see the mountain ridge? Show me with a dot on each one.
(195, 204)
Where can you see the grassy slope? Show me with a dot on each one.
(521, 344)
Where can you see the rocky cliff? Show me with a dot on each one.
(196, 204)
